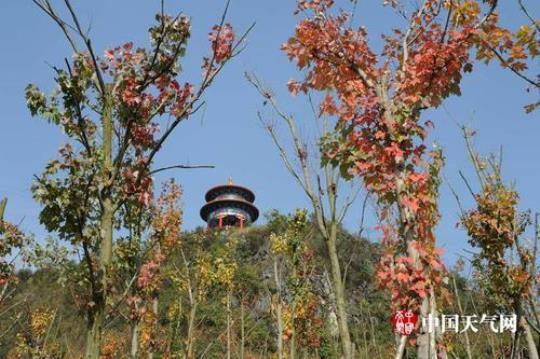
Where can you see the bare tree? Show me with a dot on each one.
(320, 183)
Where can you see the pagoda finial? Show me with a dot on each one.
(230, 180)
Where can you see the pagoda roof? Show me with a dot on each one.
(242, 204)
(217, 190)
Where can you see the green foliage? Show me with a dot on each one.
(253, 285)
(48, 290)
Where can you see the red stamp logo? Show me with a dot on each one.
(404, 322)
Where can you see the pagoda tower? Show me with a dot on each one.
(229, 205)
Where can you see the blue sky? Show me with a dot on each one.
(228, 134)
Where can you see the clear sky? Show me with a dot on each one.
(227, 134)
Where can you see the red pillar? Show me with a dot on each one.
(241, 222)
(220, 222)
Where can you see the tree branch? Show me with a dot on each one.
(89, 47)
(526, 12)
(180, 167)
(49, 10)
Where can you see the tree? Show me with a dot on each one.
(317, 182)
(191, 284)
(110, 108)
(12, 243)
(496, 227)
(378, 100)
(139, 256)
(297, 307)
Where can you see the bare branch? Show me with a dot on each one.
(467, 184)
(305, 177)
(49, 10)
(474, 158)
(351, 198)
(526, 12)
(283, 154)
(3, 204)
(236, 48)
(181, 167)
(461, 210)
(89, 47)
(487, 15)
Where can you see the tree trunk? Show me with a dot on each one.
(279, 313)
(339, 290)
(93, 337)
(228, 324)
(134, 352)
(191, 330)
(95, 327)
(292, 343)
(531, 345)
(155, 314)
(402, 343)
(466, 335)
(242, 330)
(424, 340)
(425, 343)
